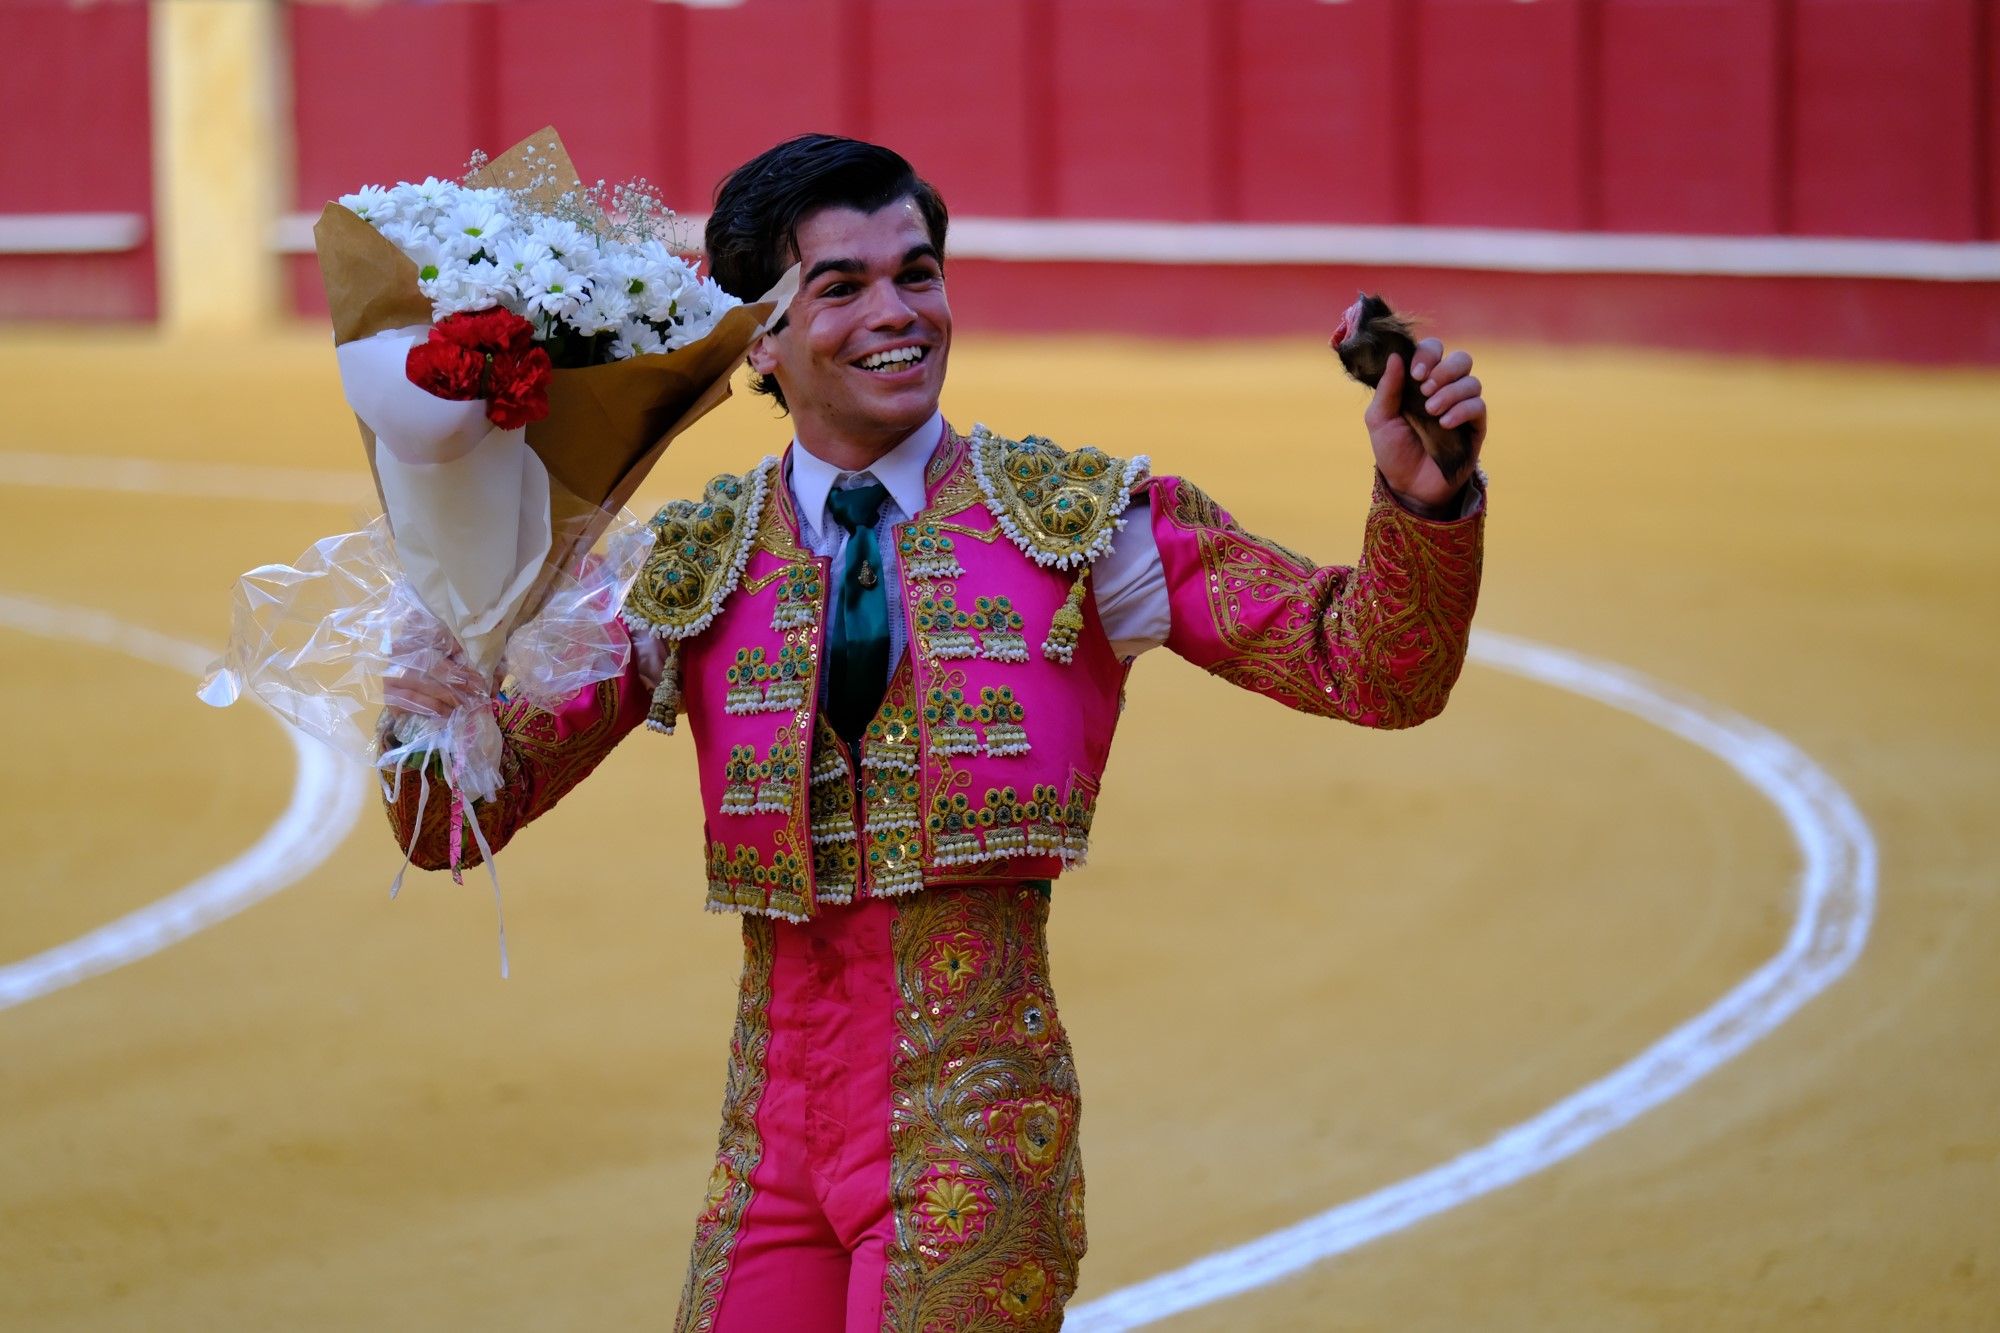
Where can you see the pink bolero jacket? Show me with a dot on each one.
(986, 757)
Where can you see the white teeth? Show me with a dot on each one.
(899, 356)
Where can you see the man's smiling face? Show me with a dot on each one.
(861, 357)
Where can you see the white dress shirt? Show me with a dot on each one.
(1129, 583)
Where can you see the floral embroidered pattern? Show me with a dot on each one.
(741, 1148)
(753, 786)
(699, 550)
(927, 552)
(1379, 644)
(949, 721)
(801, 594)
(991, 725)
(1061, 509)
(986, 1181)
(539, 765)
(758, 685)
(1000, 715)
(992, 629)
(744, 879)
(1005, 824)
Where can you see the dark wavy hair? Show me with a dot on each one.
(753, 229)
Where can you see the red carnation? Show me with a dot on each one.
(518, 388)
(494, 331)
(488, 354)
(446, 369)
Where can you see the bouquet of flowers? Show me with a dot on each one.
(518, 349)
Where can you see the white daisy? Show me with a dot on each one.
(424, 204)
(371, 203)
(473, 227)
(566, 241)
(553, 289)
(605, 312)
(518, 254)
(638, 338)
(662, 283)
(482, 284)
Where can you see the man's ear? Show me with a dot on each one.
(762, 356)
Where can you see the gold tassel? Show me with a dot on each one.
(666, 708)
(1067, 625)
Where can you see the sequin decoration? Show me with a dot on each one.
(1061, 508)
(992, 629)
(1003, 823)
(942, 631)
(986, 1179)
(892, 854)
(699, 550)
(741, 1147)
(998, 626)
(753, 786)
(927, 552)
(1380, 643)
(949, 721)
(742, 878)
(759, 685)
(1000, 716)
(800, 597)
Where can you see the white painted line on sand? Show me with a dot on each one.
(206, 481)
(1836, 902)
(327, 799)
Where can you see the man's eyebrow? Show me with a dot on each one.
(923, 251)
(833, 266)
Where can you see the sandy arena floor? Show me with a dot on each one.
(1306, 962)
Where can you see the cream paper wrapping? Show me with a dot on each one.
(468, 502)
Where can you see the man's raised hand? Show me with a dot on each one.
(1452, 395)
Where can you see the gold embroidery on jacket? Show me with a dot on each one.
(986, 1180)
(1381, 642)
(759, 685)
(1061, 508)
(740, 1148)
(699, 550)
(753, 786)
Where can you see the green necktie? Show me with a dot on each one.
(858, 651)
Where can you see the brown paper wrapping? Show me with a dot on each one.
(607, 424)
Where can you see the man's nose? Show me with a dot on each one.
(886, 307)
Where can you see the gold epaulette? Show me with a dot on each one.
(1060, 507)
(699, 550)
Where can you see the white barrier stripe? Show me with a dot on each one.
(70, 233)
(327, 799)
(1236, 244)
(213, 481)
(1836, 902)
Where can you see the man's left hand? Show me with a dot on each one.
(1452, 395)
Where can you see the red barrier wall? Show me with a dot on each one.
(1757, 117)
(1708, 163)
(1818, 117)
(80, 141)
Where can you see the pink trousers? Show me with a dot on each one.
(898, 1147)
